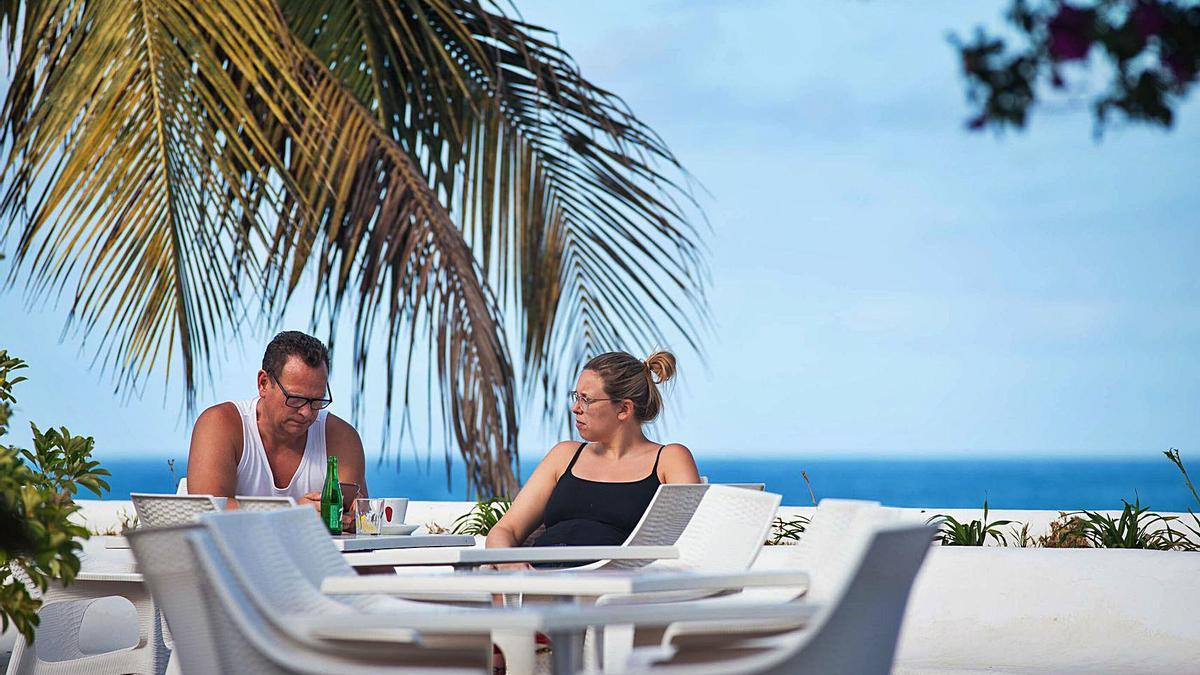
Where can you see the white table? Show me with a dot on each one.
(566, 623)
(347, 543)
(564, 583)
(350, 542)
(466, 558)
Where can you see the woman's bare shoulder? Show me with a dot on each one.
(557, 458)
(562, 452)
(677, 464)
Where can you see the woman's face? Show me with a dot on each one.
(599, 419)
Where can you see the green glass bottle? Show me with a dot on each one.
(331, 498)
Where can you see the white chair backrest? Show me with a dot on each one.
(668, 514)
(165, 560)
(746, 486)
(256, 642)
(833, 543)
(181, 489)
(256, 556)
(308, 544)
(726, 531)
(248, 503)
(163, 510)
(858, 630)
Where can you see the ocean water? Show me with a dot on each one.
(1061, 484)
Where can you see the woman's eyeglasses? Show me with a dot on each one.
(293, 401)
(583, 400)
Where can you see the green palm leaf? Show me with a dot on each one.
(554, 182)
(178, 166)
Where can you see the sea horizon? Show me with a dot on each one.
(1006, 482)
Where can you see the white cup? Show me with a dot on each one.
(394, 509)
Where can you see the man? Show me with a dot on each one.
(276, 444)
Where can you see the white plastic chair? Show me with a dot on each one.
(162, 510)
(254, 642)
(165, 560)
(856, 632)
(828, 551)
(56, 649)
(253, 553)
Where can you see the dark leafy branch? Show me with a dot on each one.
(1150, 50)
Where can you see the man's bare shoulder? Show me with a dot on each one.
(342, 435)
(217, 434)
(221, 423)
(220, 416)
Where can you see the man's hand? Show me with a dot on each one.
(313, 499)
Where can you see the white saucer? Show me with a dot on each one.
(403, 528)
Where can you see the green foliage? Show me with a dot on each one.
(1177, 460)
(482, 517)
(1149, 49)
(1021, 538)
(1136, 527)
(783, 531)
(37, 488)
(974, 533)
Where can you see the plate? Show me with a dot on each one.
(403, 528)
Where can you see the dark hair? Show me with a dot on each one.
(307, 348)
(627, 377)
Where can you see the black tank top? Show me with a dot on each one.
(584, 512)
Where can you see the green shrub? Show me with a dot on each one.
(974, 533)
(786, 531)
(1177, 460)
(1136, 527)
(482, 517)
(37, 488)
(1021, 538)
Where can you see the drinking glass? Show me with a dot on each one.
(369, 513)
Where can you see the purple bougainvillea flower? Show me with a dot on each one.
(1148, 18)
(1071, 33)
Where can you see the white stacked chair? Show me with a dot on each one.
(162, 510)
(854, 632)
(222, 627)
(57, 649)
(252, 550)
(831, 545)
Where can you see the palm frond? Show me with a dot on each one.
(136, 172)
(555, 183)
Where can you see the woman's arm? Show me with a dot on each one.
(525, 514)
(677, 465)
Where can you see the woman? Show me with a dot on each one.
(593, 493)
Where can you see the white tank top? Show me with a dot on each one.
(254, 477)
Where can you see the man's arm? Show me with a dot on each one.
(342, 440)
(215, 452)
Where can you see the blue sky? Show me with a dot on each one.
(884, 282)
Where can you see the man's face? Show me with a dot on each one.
(296, 378)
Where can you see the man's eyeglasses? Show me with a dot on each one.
(293, 401)
(574, 397)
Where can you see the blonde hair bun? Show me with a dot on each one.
(661, 366)
(627, 377)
